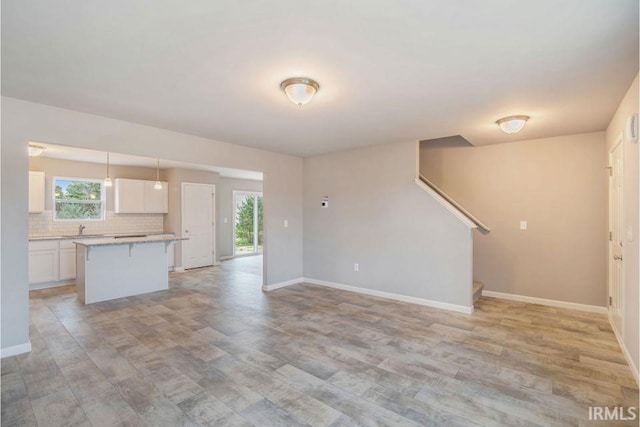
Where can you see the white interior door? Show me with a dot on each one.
(198, 225)
(616, 266)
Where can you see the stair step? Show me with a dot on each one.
(477, 290)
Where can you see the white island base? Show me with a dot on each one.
(107, 269)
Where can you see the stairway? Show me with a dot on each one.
(477, 290)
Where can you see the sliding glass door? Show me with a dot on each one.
(248, 228)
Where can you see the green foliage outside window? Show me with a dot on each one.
(245, 223)
(78, 199)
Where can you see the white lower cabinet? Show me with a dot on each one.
(51, 261)
(43, 263)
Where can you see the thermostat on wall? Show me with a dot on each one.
(325, 202)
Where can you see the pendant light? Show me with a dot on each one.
(158, 184)
(107, 180)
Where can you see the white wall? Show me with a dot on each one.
(25, 121)
(225, 208)
(404, 241)
(631, 254)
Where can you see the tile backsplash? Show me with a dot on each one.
(43, 225)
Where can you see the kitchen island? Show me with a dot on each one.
(111, 267)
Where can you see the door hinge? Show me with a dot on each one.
(610, 170)
(610, 236)
(610, 301)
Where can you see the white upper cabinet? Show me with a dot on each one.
(139, 196)
(36, 192)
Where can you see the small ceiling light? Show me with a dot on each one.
(299, 90)
(512, 124)
(36, 150)
(158, 184)
(107, 180)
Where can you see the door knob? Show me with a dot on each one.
(618, 257)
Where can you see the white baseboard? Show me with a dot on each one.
(625, 351)
(547, 302)
(178, 269)
(15, 350)
(404, 298)
(49, 285)
(275, 286)
(224, 258)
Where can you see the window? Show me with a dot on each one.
(78, 199)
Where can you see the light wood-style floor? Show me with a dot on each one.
(215, 350)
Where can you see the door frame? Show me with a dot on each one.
(213, 226)
(255, 223)
(618, 141)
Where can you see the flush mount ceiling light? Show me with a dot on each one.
(512, 124)
(299, 90)
(35, 150)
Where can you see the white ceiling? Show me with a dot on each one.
(388, 70)
(92, 156)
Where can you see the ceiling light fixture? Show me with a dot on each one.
(299, 90)
(35, 150)
(107, 180)
(158, 184)
(512, 124)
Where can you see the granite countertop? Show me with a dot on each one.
(94, 236)
(110, 241)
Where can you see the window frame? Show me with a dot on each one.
(103, 199)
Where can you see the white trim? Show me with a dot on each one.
(267, 288)
(226, 257)
(178, 269)
(444, 202)
(49, 285)
(15, 350)
(404, 298)
(547, 302)
(213, 226)
(623, 347)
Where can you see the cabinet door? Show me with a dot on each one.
(67, 264)
(156, 201)
(43, 266)
(36, 192)
(129, 195)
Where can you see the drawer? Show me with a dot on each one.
(67, 244)
(43, 245)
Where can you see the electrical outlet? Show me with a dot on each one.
(225, 220)
(523, 225)
(356, 267)
(286, 223)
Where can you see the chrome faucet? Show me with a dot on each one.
(81, 229)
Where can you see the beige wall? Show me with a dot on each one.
(631, 320)
(404, 241)
(559, 186)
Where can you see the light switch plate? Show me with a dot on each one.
(286, 223)
(523, 225)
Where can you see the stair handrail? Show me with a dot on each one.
(482, 227)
